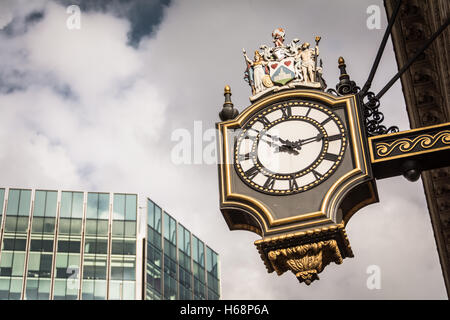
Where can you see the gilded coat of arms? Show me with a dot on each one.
(283, 66)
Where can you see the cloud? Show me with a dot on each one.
(93, 60)
(5, 19)
(144, 15)
(17, 15)
(82, 94)
(27, 156)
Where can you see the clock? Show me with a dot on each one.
(294, 167)
(289, 147)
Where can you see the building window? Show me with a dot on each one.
(123, 247)
(12, 259)
(67, 266)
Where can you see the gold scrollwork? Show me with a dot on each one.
(405, 144)
(306, 261)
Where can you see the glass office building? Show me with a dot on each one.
(68, 245)
(178, 264)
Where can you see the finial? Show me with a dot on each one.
(228, 112)
(345, 85)
(342, 66)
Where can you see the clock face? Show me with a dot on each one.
(289, 147)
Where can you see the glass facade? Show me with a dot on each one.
(14, 244)
(68, 248)
(40, 253)
(123, 247)
(184, 267)
(198, 250)
(153, 282)
(175, 261)
(212, 268)
(66, 245)
(95, 255)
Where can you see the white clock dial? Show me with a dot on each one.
(284, 162)
(289, 148)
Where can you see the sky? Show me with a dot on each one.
(98, 108)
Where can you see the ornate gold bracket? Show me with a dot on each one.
(419, 149)
(306, 253)
(307, 260)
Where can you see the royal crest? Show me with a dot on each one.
(283, 66)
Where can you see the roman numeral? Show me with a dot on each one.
(252, 172)
(335, 137)
(293, 183)
(269, 183)
(325, 121)
(247, 156)
(316, 174)
(309, 110)
(331, 157)
(287, 111)
(264, 121)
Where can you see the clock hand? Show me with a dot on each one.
(288, 149)
(298, 144)
(287, 146)
(280, 148)
(286, 142)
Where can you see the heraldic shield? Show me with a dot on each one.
(300, 215)
(283, 71)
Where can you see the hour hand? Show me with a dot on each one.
(287, 143)
(287, 148)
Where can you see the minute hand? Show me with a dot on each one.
(301, 142)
